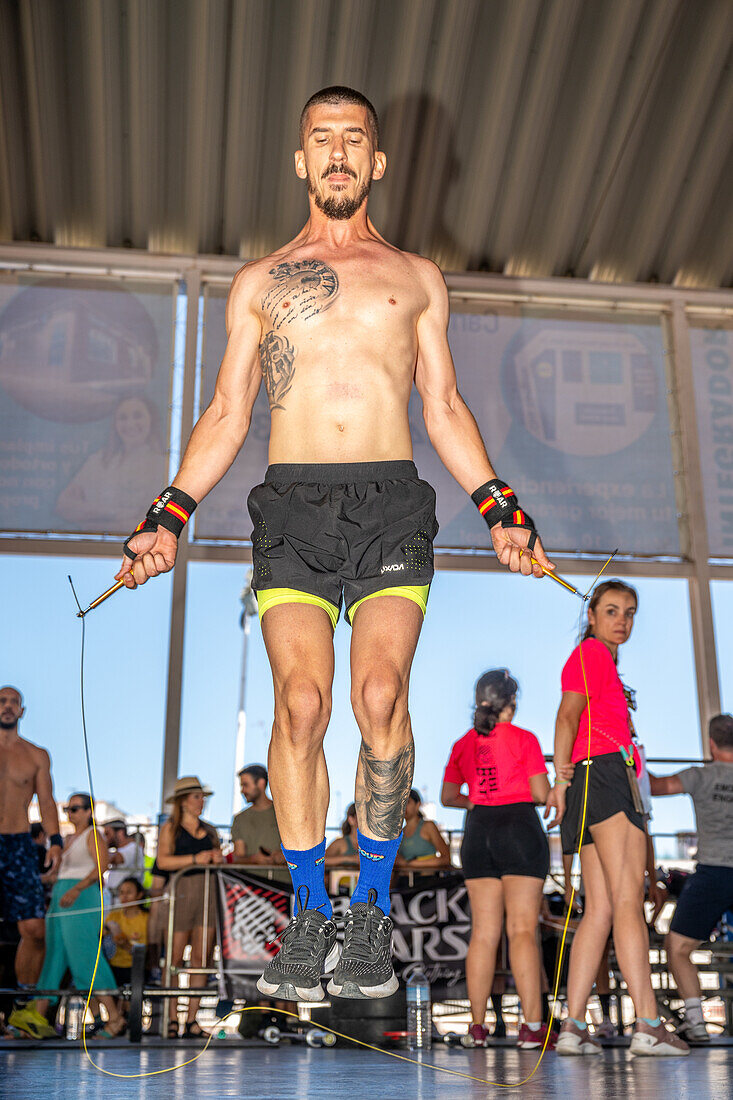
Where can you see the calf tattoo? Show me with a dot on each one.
(276, 360)
(382, 790)
(300, 290)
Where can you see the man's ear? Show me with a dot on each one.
(380, 165)
(300, 168)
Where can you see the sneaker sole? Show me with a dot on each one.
(352, 991)
(286, 991)
(643, 1049)
(576, 1049)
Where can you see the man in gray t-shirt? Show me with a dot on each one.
(709, 892)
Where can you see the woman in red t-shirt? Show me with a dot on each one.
(614, 847)
(505, 855)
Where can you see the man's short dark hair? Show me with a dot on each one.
(338, 93)
(9, 687)
(257, 771)
(117, 824)
(721, 731)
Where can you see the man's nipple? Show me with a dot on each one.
(341, 427)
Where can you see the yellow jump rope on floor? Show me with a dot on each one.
(282, 1011)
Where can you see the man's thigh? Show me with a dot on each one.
(385, 633)
(299, 642)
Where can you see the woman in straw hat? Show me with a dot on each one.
(186, 841)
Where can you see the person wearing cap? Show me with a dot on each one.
(187, 841)
(126, 856)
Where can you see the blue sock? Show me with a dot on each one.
(376, 860)
(652, 1023)
(307, 869)
(579, 1023)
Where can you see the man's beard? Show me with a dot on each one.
(340, 209)
(8, 724)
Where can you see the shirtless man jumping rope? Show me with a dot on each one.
(340, 324)
(25, 771)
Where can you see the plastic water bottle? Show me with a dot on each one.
(419, 1015)
(74, 1018)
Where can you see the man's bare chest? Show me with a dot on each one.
(298, 297)
(17, 768)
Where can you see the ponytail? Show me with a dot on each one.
(495, 691)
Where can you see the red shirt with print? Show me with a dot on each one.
(608, 708)
(497, 766)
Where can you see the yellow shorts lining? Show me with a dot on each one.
(417, 593)
(271, 597)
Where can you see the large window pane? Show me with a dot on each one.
(465, 633)
(573, 410)
(85, 382)
(712, 366)
(125, 674)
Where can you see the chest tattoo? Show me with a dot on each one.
(299, 291)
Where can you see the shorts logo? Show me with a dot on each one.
(292, 866)
(392, 568)
(321, 860)
(370, 855)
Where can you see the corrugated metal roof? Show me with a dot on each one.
(532, 137)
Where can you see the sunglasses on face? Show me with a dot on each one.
(72, 809)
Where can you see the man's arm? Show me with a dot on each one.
(450, 425)
(47, 807)
(218, 435)
(665, 784)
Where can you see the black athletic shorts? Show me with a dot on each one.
(706, 895)
(609, 793)
(504, 840)
(342, 530)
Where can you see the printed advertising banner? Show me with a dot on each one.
(573, 410)
(432, 926)
(85, 382)
(712, 368)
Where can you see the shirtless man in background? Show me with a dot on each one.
(340, 324)
(25, 771)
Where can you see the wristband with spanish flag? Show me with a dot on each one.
(497, 504)
(172, 510)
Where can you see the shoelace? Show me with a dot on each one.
(297, 939)
(357, 938)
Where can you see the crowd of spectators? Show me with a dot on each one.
(61, 895)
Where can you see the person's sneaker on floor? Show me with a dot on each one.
(476, 1036)
(575, 1040)
(534, 1038)
(308, 949)
(654, 1040)
(694, 1033)
(365, 968)
(30, 1021)
(605, 1031)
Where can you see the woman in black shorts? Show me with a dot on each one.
(505, 854)
(614, 845)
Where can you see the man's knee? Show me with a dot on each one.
(33, 929)
(302, 711)
(679, 947)
(379, 697)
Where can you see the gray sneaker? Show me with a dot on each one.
(365, 968)
(308, 949)
(693, 1033)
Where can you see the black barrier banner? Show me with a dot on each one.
(432, 928)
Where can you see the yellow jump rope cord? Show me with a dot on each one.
(284, 1012)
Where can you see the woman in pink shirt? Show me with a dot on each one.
(614, 845)
(505, 855)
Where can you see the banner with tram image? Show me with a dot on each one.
(432, 926)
